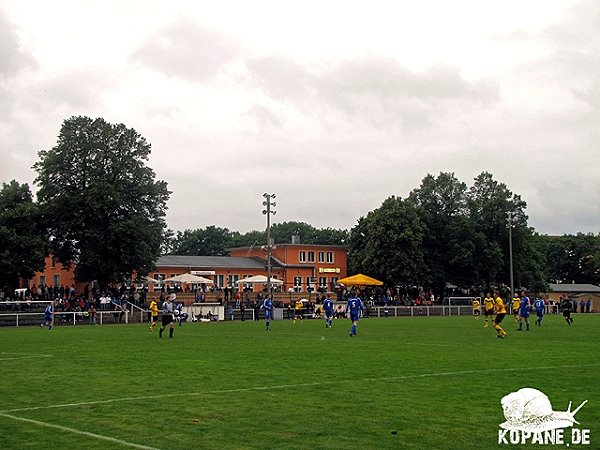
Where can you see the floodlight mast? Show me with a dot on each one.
(268, 211)
(510, 255)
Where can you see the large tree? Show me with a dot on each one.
(22, 235)
(448, 242)
(387, 244)
(102, 203)
(572, 258)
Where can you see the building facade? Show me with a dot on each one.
(301, 268)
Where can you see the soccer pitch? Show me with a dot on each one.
(410, 383)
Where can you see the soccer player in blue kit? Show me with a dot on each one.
(328, 307)
(539, 306)
(48, 316)
(268, 307)
(524, 309)
(354, 307)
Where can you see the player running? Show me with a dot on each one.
(48, 316)
(328, 307)
(354, 307)
(539, 306)
(567, 307)
(488, 309)
(500, 309)
(515, 305)
(524, 310)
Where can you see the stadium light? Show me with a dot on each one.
(269, 204)
(510, 255)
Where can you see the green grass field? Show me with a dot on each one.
(432, 383)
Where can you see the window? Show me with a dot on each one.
(297, 284)
(302, 256)
(329, 257)
(231, 280)
(161, 276)
(219, 279)
(42, 280)
(310, 284)
(321, 257)
(323, 282)
(333, 282)
(53, 263)
(56, 280)
(311, 257)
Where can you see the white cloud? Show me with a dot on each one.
(334, 106)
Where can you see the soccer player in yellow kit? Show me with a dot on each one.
(476, 310)
(298, 311)
(488, 309)
(516, 305)
(153, 313)
(500, 309)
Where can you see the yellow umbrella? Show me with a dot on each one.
(360, 280)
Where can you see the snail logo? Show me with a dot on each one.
(531, 419)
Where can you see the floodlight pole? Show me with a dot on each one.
(510, 255)
(268, 211)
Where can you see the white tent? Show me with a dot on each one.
(258, 279)
(188, 278)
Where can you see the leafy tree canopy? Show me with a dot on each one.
(101, 202)
(22, 236)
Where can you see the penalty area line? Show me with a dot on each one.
(80, 432)
(299, 385)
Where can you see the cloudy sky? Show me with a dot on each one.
(332, 105)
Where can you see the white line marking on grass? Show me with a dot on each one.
(22, 356)
(75, 431)
(288, 386)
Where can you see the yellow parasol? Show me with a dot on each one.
(360, 280)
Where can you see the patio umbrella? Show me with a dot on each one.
(149, 280)
(188, 278)
(258, 279)
(360, 280)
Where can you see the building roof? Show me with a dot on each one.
(575, 288)
(210, 262)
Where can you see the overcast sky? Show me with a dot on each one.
(332, 105)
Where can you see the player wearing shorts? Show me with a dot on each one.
(567, 307)
(298, 311)
(153, 313)
(48, 317)
(268, 307)
(167, 318)
(488, 309)
(328, 307)
(515, 305)
(354, 307)
(500, 309)
(539, 306)
(524, 310)
(476, 308)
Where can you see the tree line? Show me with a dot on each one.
(99, 206)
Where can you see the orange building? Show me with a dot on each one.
(301, 268)
(54, 274)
